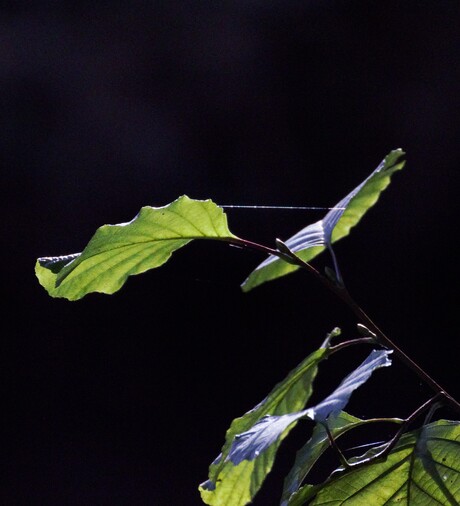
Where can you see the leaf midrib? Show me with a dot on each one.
(129, 245)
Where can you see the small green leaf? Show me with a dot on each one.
(422, 469)
(236, 485)
(313, 239)
(118, 251)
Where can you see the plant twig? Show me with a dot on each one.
(340, 291)
(351, 342)
(393, 441)
(336, 447)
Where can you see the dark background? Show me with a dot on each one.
(109, 106)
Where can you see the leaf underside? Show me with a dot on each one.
(313, 239)
(422, 470)
(269, 429)
(118, 251)
(335, 402)
(236, 485)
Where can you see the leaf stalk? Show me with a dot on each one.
(351, 342)
(390, 445)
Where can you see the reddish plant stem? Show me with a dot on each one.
(351, 342)
(384, 340)
(390, 445)
(343, 294)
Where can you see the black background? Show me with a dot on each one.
(109, 106)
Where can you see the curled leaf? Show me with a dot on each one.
(116, 252)
(234, 481)
(268, 430)
(314, 238)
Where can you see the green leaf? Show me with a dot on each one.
(269, 429)
(118, 251)
(236, 485)
(308, 455)
(313, 239)
(422, 469)
(335, 402)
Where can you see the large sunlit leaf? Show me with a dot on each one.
(118, 251)
(423, 469)
(235, 484)
(267, 431)
(314, 238)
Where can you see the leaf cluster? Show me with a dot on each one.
(414, 468)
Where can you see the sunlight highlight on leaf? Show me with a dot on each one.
(347, 213)
(231, 484)
(269, 430)
(116, 252)
(422, 469)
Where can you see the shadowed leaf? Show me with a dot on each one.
(307, 456)
(318, 443)
(422, 469)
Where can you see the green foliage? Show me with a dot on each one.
(313, 239)
(118, 251)
(269, 430)
(312, 450)
(421, 468)
(236, 485)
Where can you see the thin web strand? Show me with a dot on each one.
(291, 208)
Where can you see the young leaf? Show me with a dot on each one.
(423, 468)
(268, 430)
(314, 238)
(118, 251)
(236, 485)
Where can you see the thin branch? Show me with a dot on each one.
(393, 441)
(351, 342)
(336, 447)
(391, 444)
(345, 296)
